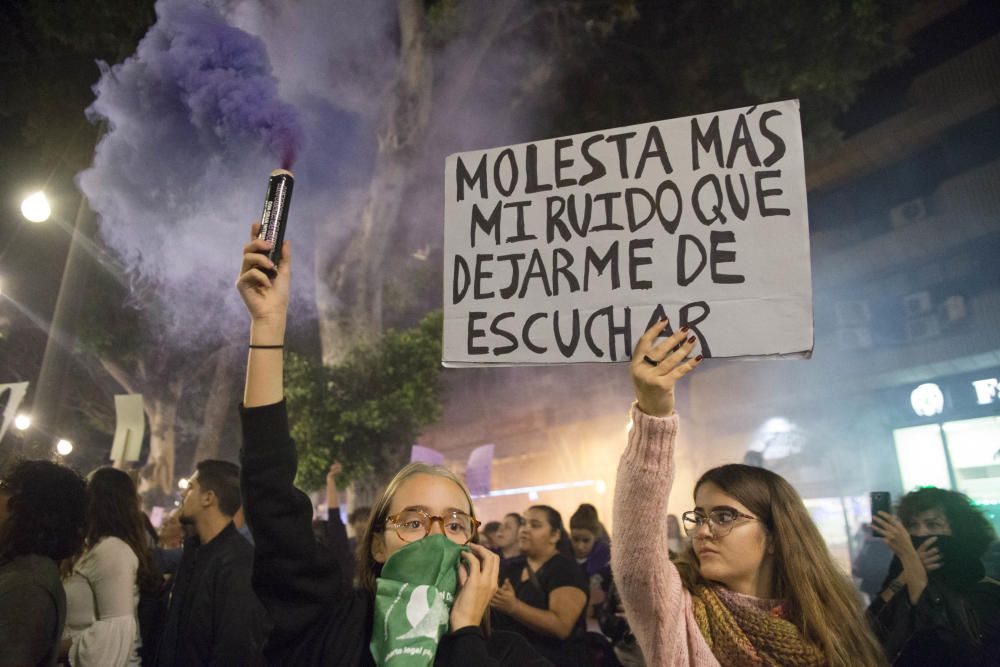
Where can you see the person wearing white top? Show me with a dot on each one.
(102, 591)
(102, 594)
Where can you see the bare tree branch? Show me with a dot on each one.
(119, 375)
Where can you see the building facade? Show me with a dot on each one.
(901, 391)
(905, 234)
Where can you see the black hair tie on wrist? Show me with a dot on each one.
(266, 347)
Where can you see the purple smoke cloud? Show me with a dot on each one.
(219, 93)
(217, 76)
(194, 124)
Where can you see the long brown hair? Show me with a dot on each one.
(113, 511)
(819, 598)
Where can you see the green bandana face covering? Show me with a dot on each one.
(413, 602)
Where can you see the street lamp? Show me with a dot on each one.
(64, 447)
(55, 360)
(35, 208)
(22, 422)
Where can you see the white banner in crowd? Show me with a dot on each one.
(130, 428)
(14, 393)
(421, 454)
(479, 471)
(566, 250)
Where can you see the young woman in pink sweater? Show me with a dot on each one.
(757, 586)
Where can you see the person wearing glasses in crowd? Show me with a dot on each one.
(424, 584)
(757, 585)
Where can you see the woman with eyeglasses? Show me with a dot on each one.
(424, 583)
(757, 585)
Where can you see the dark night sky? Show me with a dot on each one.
(46, 141)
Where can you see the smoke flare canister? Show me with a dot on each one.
(275, 215)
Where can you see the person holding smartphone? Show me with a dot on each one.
(937, 606)
(757, 586)
(424, 584)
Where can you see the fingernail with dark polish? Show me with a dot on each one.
(692, 339)
(699, 358)
(685, 329)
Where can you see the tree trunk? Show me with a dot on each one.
(356, 279)
(219, 402)
(162, 412)
(349, 293)
(362, 493)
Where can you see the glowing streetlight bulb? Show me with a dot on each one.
(22, 422)
(64, 447)
(182, 484)
(36, 207)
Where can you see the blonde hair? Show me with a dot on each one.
(821, 601)
(368, 569)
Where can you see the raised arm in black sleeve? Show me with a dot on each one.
(316, 615)
(336, 540)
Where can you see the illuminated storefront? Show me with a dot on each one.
(946, 433)
(953, 440)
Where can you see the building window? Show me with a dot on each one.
(966, 451)
(974, 449)
(921, 456)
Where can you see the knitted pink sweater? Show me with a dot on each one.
(656, 603)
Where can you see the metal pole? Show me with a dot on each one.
(947, 458)
(46, 404)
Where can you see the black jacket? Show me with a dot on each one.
(949, 625)
(214, 617)
(338, 544)
(318, 617)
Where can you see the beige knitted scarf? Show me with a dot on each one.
(741, 635)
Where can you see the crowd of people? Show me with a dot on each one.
(242, 574)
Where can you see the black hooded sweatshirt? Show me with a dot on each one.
(318, 618)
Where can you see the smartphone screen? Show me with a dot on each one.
(881, 502)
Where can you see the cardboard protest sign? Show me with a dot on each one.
(130, 429)
(566, 250)
(479, 471)
(421, 454)
(11, 395)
